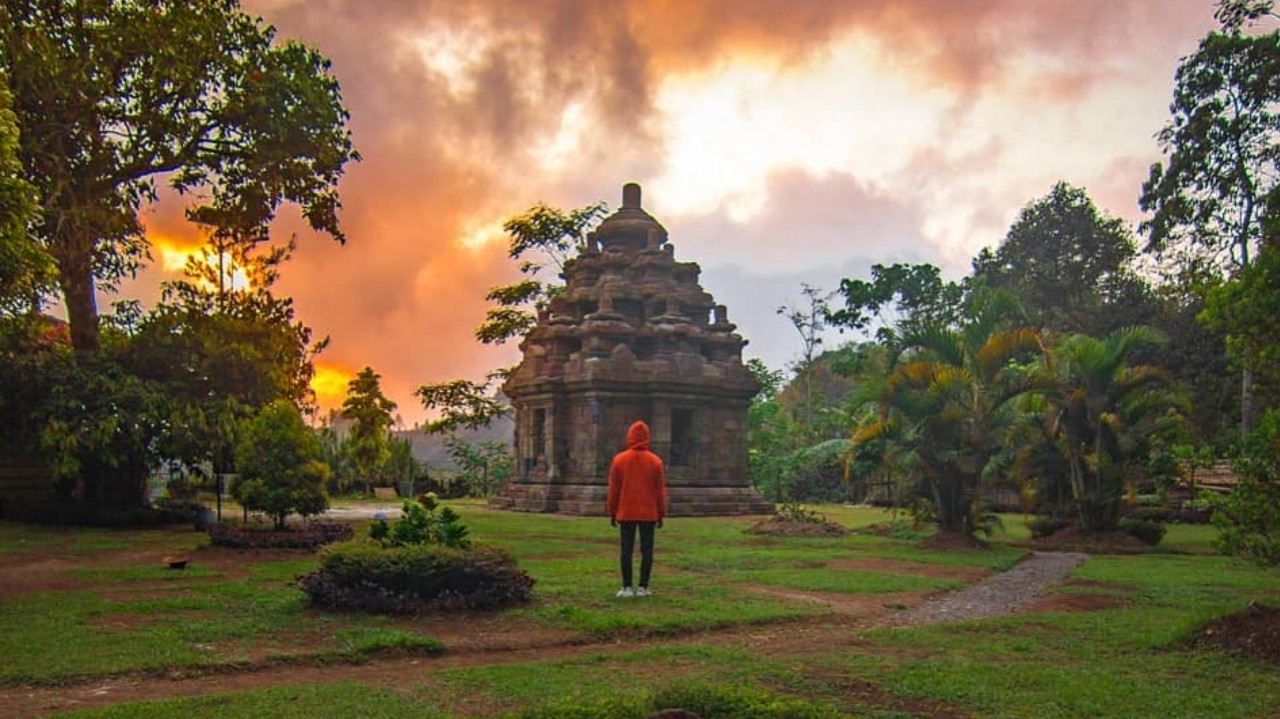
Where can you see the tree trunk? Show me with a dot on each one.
(1246, 403)
(78, 291)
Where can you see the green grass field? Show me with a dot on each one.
(725, 601)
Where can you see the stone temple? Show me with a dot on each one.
(631, 336)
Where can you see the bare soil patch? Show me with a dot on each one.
(1253, 632)
(37, 572)
(779, 527)
(1076, 603)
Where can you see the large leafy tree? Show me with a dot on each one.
(1068, 264)
(24, 268)
(947, 404)
(371, 415)
(221, 353)
(1208, 203)
(114, 98)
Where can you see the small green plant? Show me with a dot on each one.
(792, 511)
(422, 521)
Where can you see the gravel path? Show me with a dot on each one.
(1004, 593)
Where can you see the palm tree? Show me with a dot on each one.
(1103, 411)
(947, 403)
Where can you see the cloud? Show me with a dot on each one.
(807, 224)
(847, 132)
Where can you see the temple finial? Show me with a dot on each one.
(631, 196)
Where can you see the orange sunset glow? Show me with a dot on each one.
(330, 384)
(780, 143)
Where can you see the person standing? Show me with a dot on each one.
(636, 503)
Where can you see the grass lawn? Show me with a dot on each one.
(722, 628)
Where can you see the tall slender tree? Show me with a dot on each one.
(1208, 204)
(371, 415)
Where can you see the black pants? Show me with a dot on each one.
(628, 531)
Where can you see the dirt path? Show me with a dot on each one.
(1001, 594)
(995, 595)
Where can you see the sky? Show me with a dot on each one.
(780, 142)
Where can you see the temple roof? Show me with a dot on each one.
(630, 227)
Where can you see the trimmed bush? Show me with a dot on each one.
(1150, 533)
(362, 576)
(310, 535)
(1044, 526)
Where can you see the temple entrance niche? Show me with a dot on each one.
(632, 336)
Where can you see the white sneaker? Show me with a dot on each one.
(626, 593)
(642, 592)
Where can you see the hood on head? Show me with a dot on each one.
(638, 435)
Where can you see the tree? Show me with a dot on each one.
(112, 98)
(485, 466)
(1248, 519)
(280, 469)
(808, 320)
(370, 411)
(1068, 264)
(770, 432)
(552, 237)
(896, 292)
(1104, 411)
(462, 404)
(1208, 204)
(401, 465)
(1246, 308)
(221, 354)
(25, 270)
(947, 404)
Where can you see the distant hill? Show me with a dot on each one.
(432, 452)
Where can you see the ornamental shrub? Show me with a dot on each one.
(423, 521)
(364, 576)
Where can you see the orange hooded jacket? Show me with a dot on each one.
(637, 481)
